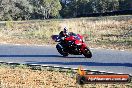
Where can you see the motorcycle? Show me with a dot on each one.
(73, 44)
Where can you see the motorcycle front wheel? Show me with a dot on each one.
(87, 53)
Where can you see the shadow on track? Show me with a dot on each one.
(83, 63)
(39, 56)
(30, 56)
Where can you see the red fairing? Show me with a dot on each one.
(70, 38)
(83, 46)
(77, 42)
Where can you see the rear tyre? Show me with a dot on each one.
(87, 53)
(60, 50)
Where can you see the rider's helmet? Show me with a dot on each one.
(65, 31)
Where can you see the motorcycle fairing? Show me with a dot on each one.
(78, 42)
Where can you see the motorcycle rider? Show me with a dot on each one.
(63, 34)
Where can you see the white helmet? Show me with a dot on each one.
(65, 30)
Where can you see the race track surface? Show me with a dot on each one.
(102, 60)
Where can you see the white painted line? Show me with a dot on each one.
(35, 64)
(1, 62)
(10, 62)
(45, 65)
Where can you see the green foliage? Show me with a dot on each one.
(45, 9)
(125, 4)
(72, 8)
(27, 9)
(15, 9)
(56, 6)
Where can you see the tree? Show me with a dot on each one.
(102, 6)
(45, 9)
(15, 9)
(83, 7)
(125, 4)
(25, 8)
(69, 8)
(7, 7)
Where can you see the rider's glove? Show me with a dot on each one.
(57, 40)
(62, 38)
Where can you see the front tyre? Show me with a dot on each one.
(60, 50)
(87, 53)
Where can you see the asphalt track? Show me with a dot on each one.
(102, 60)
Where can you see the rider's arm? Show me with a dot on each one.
(60, 37)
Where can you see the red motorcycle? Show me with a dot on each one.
(73, 44)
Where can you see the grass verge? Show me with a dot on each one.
(112, 32)
(22, 76)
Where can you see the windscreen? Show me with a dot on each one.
(75, 36)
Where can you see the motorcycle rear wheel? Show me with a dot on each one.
(87, 53)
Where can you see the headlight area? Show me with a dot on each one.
(83, 39)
